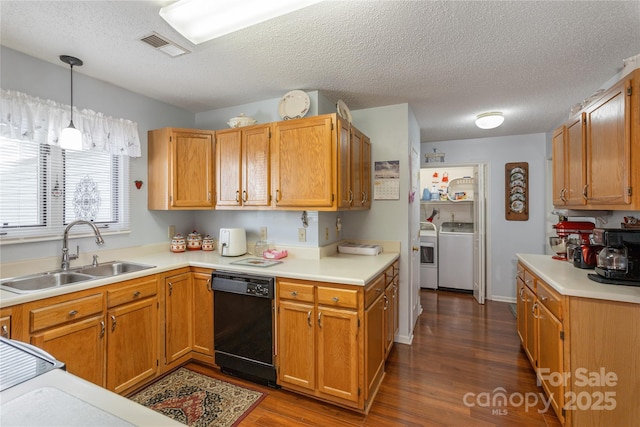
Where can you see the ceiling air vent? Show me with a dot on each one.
(164, 45)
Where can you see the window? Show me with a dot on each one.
(43, 188)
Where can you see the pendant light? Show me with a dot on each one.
(71, 138)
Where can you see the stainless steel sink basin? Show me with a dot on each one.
(50, 279)
(113, 268)
(38, 282)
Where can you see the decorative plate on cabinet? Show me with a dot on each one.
(294, 105)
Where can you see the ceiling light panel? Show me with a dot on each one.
(203, 20)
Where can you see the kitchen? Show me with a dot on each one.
(383, 124)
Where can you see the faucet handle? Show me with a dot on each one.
(95, 261)
(76, 255)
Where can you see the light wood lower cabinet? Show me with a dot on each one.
(132, 334)
(202, 314)
(319, 340)
(80, 345)
(178, 300)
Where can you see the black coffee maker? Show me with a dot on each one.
(619, 261)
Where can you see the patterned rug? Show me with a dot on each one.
(198, 400)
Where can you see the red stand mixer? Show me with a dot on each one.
(566, 228)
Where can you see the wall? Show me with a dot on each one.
(504, 238)
(45, 80)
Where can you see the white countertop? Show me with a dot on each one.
(572, 281)
(337, 268)
(58, 398)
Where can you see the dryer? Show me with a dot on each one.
(428, 255)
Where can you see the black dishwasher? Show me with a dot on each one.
(243, 325)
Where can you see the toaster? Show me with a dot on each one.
(232, 242)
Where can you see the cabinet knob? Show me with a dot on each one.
(73, 312)
(136, 294)
(294, 293)
(335, 299)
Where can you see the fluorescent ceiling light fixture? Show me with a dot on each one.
(489, 120)
(203, 20)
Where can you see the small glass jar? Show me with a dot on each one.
(194, 241)
(178, 243)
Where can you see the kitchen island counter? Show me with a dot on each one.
(571, 281)
(335, 268)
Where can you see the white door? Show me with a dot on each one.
(479, 234)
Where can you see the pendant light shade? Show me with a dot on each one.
(489, 120)
(71, 138)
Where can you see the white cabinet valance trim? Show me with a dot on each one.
(25, 117)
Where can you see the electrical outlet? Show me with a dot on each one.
(326, 233)
(172, 231)
(263, 234)
(302, 234)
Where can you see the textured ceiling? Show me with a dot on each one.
(449, 60)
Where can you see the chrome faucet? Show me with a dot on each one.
(66, 258)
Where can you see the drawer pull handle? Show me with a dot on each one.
(136, 294)
(73, 312)
(379, 290)
(335, 299)
(209, 285)
(309, 318)
(102, 326)
(521, 293)
(386, 303)
(113, 323)
(543, 298)
(170, 288)
(5, 331)
(294, 293)
(319, 320)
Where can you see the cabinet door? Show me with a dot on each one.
(530, 343)
(304, 161)
(345, 191)
(558, 151)
(228, 167)
(256, 190)
(550, 357)
(296, 350)
(390, 324)
(575, 174)
(366, 172)
(521, 310)
(374, 319)
(80, 345)
(132, 353)
(202, 314)
(356, 167)
(192, 169)
(338, 353)
(609, 147)
(178, 320)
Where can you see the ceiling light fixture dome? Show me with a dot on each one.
(71, 138)
(489, 120)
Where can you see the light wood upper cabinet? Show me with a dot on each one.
(609, 147)
(304, 163)
(180, 169)
(599, 166)
(354, 167)
(243, 167)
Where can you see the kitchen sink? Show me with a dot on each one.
(51, 279)
(38, 282)
(113, 268)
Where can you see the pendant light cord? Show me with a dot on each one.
(71, 65)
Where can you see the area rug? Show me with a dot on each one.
(198, 400)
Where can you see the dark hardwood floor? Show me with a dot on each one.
(460, 348)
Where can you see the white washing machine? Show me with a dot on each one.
(428, 255)
(456, 256)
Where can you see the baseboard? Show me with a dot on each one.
(503, 299)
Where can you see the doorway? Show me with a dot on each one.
(453, 199)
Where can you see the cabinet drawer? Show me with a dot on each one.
(390, 272)
(63, 312)
(374, 290)
(529, 280)
(520, 271)
(550, 299)
(133, 292)
(295, 291)
(335, 297)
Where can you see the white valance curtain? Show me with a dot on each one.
(25, 117)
